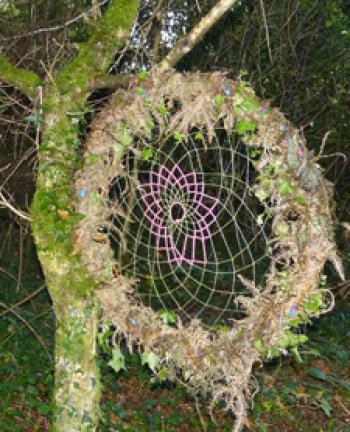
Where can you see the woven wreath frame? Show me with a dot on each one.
(211, 362)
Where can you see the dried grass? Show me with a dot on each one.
(213, 363)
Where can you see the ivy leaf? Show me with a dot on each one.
(199, 136)
(285, 188)
(317, 373)
(313, 303)
(162, 110)
(325, 407)
(244, 126)
(300, 200)
(118, 360)
(168, 317)
(179, 137)
(151, 359)
(250, 105)
(147, 154)
(140, 91)
(142, 74)
(124, 137)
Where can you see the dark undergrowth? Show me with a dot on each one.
(305, 393)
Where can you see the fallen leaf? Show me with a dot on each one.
(63, 214)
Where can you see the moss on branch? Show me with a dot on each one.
(26, 81)
(64, 106)
(94, 57)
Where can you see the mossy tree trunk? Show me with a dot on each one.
(77, 384)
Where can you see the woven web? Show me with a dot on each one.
(190, 226)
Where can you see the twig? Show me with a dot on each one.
(26, 323)
(19, 213)
(186, 43)
(266, 30)
(25, 299)
(91, 11)
(324, 140)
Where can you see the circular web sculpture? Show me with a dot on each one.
(192, 229)
(207, 224)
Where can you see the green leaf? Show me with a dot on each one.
(140, 91)
(326, 407)
(179, 137)
(118, 360)
(219, 100)
(250, 105)
(92, 158)
(259, 346)
(290, 339)
(313, 303)
(244, 126)
(199, 136)
(124, 137)
(285, 188)
(168, 317)
(147, 154)
(300, 200)
(151, 359)
(317, 373)
(143, 74)
(342, 356)
(162, 110)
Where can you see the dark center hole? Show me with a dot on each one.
(177, 212)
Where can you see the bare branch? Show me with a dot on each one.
(94, 11)
(109, 81)
(186, 43)
(5, 203)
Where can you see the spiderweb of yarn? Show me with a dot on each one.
(193, 226)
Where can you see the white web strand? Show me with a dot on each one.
(237, 243)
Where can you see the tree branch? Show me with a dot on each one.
(186, 43)
(110, 81)
(94, 57)
(26, 81)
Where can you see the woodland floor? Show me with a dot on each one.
(311, 395)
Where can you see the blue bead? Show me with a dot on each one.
(133, 321)
(293, 312)
(283, 128)
(227, 91)
(82, 193)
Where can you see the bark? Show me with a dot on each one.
(186, 43)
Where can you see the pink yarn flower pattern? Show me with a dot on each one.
(180, 214)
